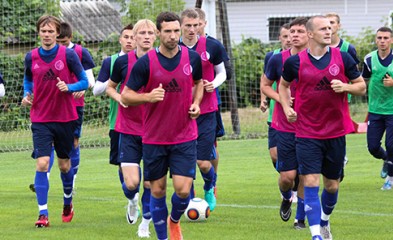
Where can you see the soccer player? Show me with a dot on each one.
(129, 123)
(378, 69)
(321, 113)
(220, 131)
(287, 164)
(170, 76)
(265, 104)
(64, 39)
(127, 43)
(2, 89)
(49, 72)
(213, 76)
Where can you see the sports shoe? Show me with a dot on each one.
(387, 185)
(211, 199)
(174, 230)
(318, 237)
(384, 170)
(143, 231)
(285, 210)
(42, 221)
(325, 232)
(32, 187)
(132, 213)
(299, 224)
(68, 213)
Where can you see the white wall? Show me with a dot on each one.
(250, 18)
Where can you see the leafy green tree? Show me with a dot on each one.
(19, 18)
(139, 9)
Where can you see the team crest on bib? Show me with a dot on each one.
(59, 65)
(205, 56)
(334, 70)
(187, 69)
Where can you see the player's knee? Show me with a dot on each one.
(373, 149)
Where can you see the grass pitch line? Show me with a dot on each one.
(368, 214)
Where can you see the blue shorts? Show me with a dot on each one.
(59, 135)
(206, 135)
(78, 122)
(220, 130)
(271, 136)
(286, 151)
(114, 150)
(130, 148)
(180, 159)
(325, 156)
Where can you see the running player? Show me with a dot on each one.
(129, 123)
(170, 76)
(378, 69)
(49, 72)
(287, 164)
(321, 113)
(214, 75)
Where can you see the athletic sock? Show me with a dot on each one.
(287, 194)
(121, 178)
(146, 203)
(41, 185)
(75, 158)
(67, 179)
(130, 194)
(208, 178)
(159, 213)
(192, 191)
(215, 179)
(179, 205)
(300, 214)
(51, 159)
(328, 201)
(312, 206)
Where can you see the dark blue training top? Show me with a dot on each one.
(141, 71)
(291, 65)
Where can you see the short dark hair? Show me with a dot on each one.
(47, 19)
(166, 17)
(298, 21)
(189, 13)
(65, 30)
(385, 29)
(128, 27)
(201, 13)
(284, 26)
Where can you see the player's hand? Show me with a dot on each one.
(388, 81)
(157, 94)
(291, 101)
(194, 111)
(208, 86)
(27, 100)
(118, 99)
(61, 85)
(337, 86)
(263, 105)
(78, 95)
(291, 115)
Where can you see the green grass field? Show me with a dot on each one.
(248, 199)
